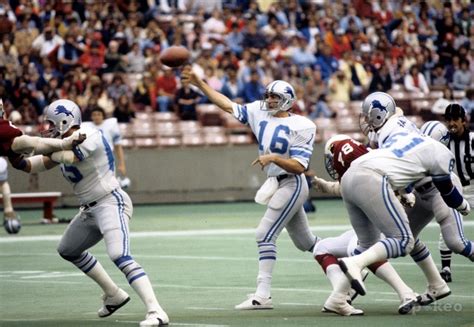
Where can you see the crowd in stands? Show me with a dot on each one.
(105, 53)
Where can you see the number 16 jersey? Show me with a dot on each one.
(290, 137)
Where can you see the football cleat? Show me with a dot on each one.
(352, 294)
(445, 274)
(353, 274)
(434, 293)
(155, 318)
(255, 302)
(113, 303)
(337, 304)
(409, 301)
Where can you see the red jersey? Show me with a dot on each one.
(344, 153)
(7, 133)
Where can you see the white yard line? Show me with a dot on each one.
(197, 232)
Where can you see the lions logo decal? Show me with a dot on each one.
(63, 110)
(378, 105)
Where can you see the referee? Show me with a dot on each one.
(461, 145)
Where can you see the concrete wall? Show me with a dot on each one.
(196, 174)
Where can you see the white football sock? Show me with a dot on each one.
(388, 274)
(339, 282)
(143, 288)
(100, 276)
(264, 278)
(7, 198)
(432, 275)
(373, 254)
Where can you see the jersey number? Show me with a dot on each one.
(73, 174)
(279, 144)
(346, 149)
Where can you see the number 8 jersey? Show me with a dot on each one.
(290, 137)
(93, 175)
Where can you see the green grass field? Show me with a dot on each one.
(202, 261)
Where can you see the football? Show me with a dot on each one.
(174, 56)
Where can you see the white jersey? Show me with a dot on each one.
(394, 124)
(290, 137)
(93, 176)
(110, 129)
(407, 158)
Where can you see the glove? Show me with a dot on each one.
(407, 200)
(324, 186)
(464, 208)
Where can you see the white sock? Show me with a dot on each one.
(339, 282)
(100, 276)
(388, 274)
(432, 275)
(143, 288)
(7, 198)
(373, 254)
(264, 278)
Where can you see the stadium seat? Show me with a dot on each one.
(126, 129)
(165, 117)
(128, 143)
(190, 127)
(459, 94)
(144, 116)
(240, 139)
(193, 140)
(146, 142)
(167, 142)
(144, 129)
(347, 124)
(209, 115)
(168, 129)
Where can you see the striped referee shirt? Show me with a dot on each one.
(463, 149)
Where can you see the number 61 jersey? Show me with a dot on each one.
(290, 137)
(93, 175)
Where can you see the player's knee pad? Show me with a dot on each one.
(67, 255)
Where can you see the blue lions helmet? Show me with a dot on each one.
(377, 108)
(284, 91)
(437, 131)
(61, 116)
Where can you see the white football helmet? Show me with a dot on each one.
(376, 109)
(328, 155)
(437, 131)
(284, 91)
(62, 115)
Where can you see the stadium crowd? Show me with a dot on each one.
(105, 53)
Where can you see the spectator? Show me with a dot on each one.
(232, 87)
(234, 39)
(326, 62)
(123, 110)
(135, 60)
(8, 56)
(25, 35)
(414, 81)
(438, 77)
(93, 58)
(69, 53)
(356, 73)
(144, 94)
(467, 102)
(439, 107)
(381, 80)
(118, 88)
(166, 87)
(185, 100)
(253, 90)
(340, 87)
(47, 42)
(462, 78)
(302, 56)
(113, 59)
